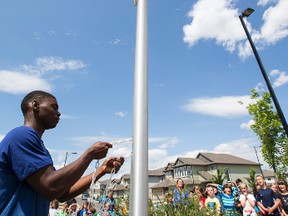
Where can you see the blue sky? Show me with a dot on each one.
(200, 65)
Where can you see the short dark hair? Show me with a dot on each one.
(34, 95)
(238, 181)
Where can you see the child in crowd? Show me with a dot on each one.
(91, 211)
(64, 211)
(267, 200)
(228, 194)
(212, 202)
(247, 201)
(282, 186)
(53, 211)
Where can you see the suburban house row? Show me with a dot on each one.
(193, 171)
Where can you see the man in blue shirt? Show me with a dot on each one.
(28, 180)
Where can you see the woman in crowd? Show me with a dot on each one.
(180, 195)
(282, 186)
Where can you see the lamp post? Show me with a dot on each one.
(66, 156)
(255, 149)
(247, 13)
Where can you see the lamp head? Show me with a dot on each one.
(247, 12)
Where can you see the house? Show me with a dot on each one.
(199, 171)
(194, 171)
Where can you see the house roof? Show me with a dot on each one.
(125, 176)
(156, 172)
(120, 188)
(220, 158)
(268, 173)
(165, 184)
(180, 161)
(169, 167)
(172, 182)
(205, 175)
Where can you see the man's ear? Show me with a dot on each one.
(35, 105)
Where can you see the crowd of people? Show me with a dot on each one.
(234, 199)
(105, 204)
(230, 199)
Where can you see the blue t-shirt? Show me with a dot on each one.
(266, 197)
(22, 152)
(180, 197)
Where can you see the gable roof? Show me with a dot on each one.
(156, 172)
(180, 161)
(169, 167)
(205, 175)
(220, 158)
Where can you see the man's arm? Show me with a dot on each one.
(84, 183)
(52, 184)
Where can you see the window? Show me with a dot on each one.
(227, 175)
(189, 170)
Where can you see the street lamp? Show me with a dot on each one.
(66, 156)
(247, 13)
(255, 149)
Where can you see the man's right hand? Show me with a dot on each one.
(99, 149)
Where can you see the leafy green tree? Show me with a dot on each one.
(219, 177)
(252, 180)
(267, 125)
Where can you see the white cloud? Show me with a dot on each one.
(16, 82)
(208, 15)
(47, 64)
(281, 77)
(247, 125)
(37, 35)
(120, 114)
(243, 148)
(158, 158)
(30, 77)
(259, 87)
(116, 41)
(275, 25)
(1, 137)
(225, 106)
(169, 142)
(265, 2)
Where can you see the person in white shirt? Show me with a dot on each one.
(247, 201)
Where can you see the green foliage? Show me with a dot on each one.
(219, 177)
(191, 208)
(252, 180)
(268, 127)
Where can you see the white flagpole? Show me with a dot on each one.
(139, 165)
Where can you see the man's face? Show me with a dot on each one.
(48, 114)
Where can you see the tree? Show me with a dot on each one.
(268, 127)
(252, 180)
(219, 177)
